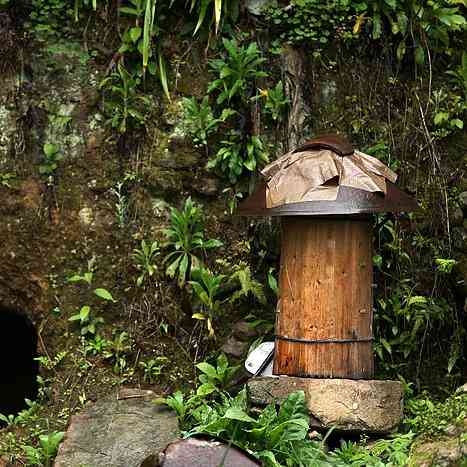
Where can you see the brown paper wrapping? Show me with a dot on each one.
(317, 176)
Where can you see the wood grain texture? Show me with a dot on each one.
(325, 293)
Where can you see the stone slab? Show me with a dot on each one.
(122, 430)
(366, 406)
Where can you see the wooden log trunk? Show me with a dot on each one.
(326, 280)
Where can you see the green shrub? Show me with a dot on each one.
(237, 155)
(199, 119)
(236, 71)
(185, 239)
(206, 286)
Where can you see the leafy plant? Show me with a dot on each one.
(445, 266)
(7, 178)
(206, 286)
(276, 101)
(233, 198)
(220, 375)
(236, 71)
(51, 155)
(117, 350)
(217, 10)
(433, 417)
(139, 39)
(185, 238)
(96, 345)
(311, 22)
(200, 121)
(87, 321)
(404, 314)
(249, 286)
(125, 106)
(85, 317)
(415, 26)
(237, 155)
(144, 259)
(272, 282)
(448, 112)
(46, 450)
(87, 277)
(460, 73)
(278, 437)
(121, 203)
(153, 368)
(51, 363)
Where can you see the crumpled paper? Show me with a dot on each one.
(316, 175)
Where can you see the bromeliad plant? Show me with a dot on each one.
(206, 287)
(236, 72)
(124, 105)
(144, 259)
(185, 239)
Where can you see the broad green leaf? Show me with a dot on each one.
(182, 270)
(208, 370)
(457, 122)
(172, 268)
(235, 413)
(50, 149)
(420, 55)
(135, 34)
(104, 294)
(84, 312)
(75, 278)
(205, 389)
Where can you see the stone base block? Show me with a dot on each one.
(366, 406)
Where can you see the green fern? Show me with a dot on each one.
(248, 285)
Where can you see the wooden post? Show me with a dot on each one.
(326, 280)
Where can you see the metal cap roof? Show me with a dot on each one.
(328, 178)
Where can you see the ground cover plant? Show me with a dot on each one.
(129, 133)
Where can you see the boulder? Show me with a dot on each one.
(122, 430)
(366, 406)
(205, 453)
(447, 452)
(208, 186)
(244, 331)
(234, 348)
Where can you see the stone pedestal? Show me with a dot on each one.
(366, 406)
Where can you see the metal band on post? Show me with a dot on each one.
(324, 341)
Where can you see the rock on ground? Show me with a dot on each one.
(449, 452)
(121, 430)
(205, 453)
(367, 406)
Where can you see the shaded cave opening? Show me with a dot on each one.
(19, 369)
